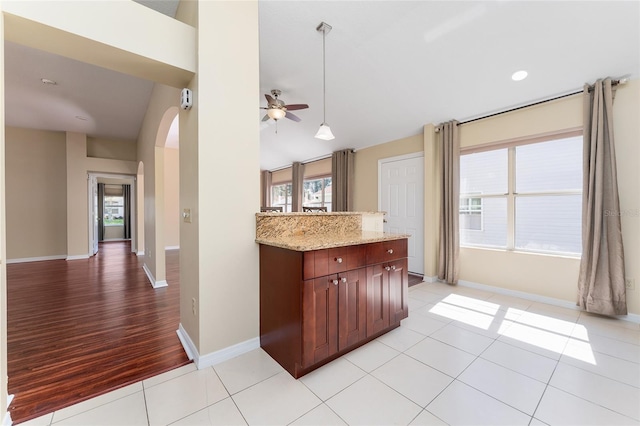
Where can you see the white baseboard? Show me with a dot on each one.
(37, 259)
(537, 298)
(172, 248)
(211, 359)
(6, 421)
(78, 257)
(152, 279)
(140, 253)
(430, 279)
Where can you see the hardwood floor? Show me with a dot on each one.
(78, 329)
(414, 279)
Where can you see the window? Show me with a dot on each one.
(526, 197)
(281, 196)
(471, 214)
(113, 210)
(317, 192)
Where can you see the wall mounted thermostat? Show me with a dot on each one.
(186, 99)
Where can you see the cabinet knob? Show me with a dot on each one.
(338, 259)
(344, 279)
(335, 282)
(390, 251)
(387, 268)
(393, 267)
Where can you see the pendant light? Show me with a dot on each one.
(324, 132)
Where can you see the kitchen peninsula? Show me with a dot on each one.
(329, 282)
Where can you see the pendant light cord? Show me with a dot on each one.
(324, 79)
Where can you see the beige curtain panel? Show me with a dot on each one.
(601, 283)
(342, 163)
(297, 177)
(449, 248)
(266, 188)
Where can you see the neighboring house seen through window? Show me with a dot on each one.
(525, 197)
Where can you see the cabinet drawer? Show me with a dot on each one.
(386, 251)
(318, 263)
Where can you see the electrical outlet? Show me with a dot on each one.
(193, 306)
(630, 283)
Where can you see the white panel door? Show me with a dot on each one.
(401, 189)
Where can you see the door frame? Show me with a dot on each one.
(92, 179)
(381, 161)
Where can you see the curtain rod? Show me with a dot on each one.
(613, 83)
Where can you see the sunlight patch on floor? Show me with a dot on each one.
(542, 331)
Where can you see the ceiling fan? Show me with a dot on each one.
(277, 109)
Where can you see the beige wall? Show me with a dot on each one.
(3, 254)
(366, 169)
(36, 193)
(228, 151)
(115, 149)
(172, 197)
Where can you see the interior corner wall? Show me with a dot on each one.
(77, 196)
(36, 193)
(4, 412)
(162, 98)
(115, 149)
(228, 158)
(365, 189)
(171, 197)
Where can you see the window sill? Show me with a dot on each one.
(525, 252)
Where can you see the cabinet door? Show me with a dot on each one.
(377, 299)
(398, 291)
(352, 307)
(319, 319)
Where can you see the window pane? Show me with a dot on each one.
(486, 227)
(550, 166)
(484, 172)
(281, 196)
(113, 210)
(549, 223)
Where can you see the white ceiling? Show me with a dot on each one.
(391, 67)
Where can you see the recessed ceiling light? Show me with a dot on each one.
(47, 81)
(79, 117)
(519, 75)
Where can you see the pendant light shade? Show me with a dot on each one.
(324, 132)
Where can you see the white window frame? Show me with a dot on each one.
(286, 199)
(322, 178)
(512, 195)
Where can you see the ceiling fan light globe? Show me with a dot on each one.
(276, 113)
(324, 132)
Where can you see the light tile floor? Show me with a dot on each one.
(463, 357)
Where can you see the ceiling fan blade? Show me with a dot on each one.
(292, 117)
(265, 118)
(297, 106)
(270, 99)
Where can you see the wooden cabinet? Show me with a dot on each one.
(333, 314)
(317, 305)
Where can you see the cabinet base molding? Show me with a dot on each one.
(213, 358)
(297, 371)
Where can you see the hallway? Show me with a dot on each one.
(78, 329)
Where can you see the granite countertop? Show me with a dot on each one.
(309, 242)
